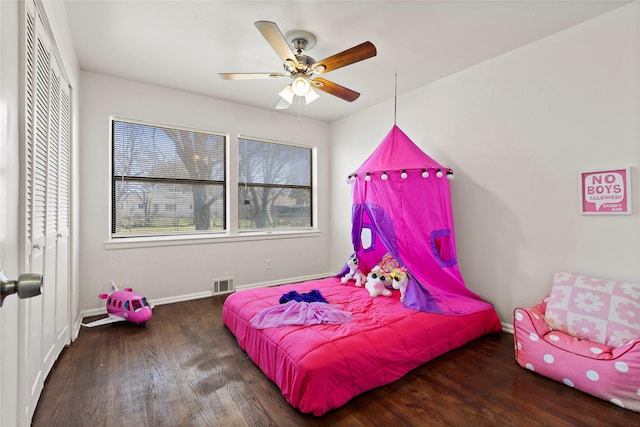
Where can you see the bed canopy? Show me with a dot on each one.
(402, 206)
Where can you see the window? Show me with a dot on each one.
(166, 180)
(274, 186)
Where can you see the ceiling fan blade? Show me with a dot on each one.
(357, 53)
(335, 89)
(249, 76)
(273, 35)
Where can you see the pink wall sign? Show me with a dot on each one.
(606, 191)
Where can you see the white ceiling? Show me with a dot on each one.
(184, 44)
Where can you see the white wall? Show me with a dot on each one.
(174, 272)
(517, 131)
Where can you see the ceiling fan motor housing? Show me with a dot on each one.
(305, 62)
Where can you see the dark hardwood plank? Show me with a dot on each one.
(184, 368)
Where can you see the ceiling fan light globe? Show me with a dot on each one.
(300, 86)
(311, 96)
(287, 94)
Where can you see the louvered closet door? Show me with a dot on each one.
(62, 277)
(44, 320)
(51, 218)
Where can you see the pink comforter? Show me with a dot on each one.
(321, 367)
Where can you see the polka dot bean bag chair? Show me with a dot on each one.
(586, 335)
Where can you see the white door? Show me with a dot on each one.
(9, 207)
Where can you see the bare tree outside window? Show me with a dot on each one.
(274, 185)
(155, 167)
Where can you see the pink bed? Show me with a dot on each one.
(321, 367)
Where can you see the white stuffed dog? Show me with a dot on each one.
(354, 272)
(400, 280)
(376, 281)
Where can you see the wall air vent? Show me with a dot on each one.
(223, 286)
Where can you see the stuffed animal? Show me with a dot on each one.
(376, 283)
(400, 280)
(388, 263)
(354, 272)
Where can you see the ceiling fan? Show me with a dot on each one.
(301, 68)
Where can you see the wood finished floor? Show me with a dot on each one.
(184, 368)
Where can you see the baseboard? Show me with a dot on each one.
(507, 327)
(180, 298)
(76, 327)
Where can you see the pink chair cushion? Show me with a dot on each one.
(598, 310)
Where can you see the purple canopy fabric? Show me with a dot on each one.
(397, 210)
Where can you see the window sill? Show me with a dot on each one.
(159, 241)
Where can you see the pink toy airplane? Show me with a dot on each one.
(124, 305)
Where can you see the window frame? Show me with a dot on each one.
(311, 187)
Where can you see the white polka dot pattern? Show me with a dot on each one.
(622, 367)
(593, 375)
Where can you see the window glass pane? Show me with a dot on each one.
(272, 163)
(160, 152)
(167, 181)
(274, 186)
(156, 207)
(274, 207)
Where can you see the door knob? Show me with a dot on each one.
(28, 285)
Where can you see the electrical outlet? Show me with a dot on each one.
(268, 264)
